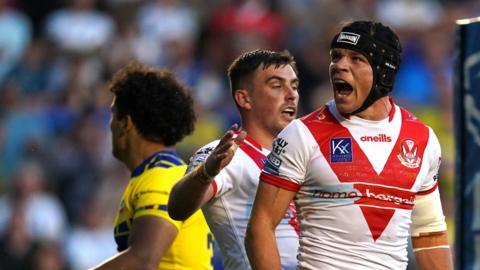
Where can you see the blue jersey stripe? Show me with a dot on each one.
(122, 227)
(164, 155)
(170, 158)
(162, 207)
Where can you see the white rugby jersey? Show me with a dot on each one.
(228, 212)
(356, 182)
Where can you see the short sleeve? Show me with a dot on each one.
(224, 181)
(150, 198)
(287, 163)
(433, 158)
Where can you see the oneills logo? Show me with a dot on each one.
(378, 138)
(348, 37)
(408, 154)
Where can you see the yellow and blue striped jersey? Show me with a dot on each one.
(147, 194)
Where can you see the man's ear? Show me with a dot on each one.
(243, 99)
(127, 124)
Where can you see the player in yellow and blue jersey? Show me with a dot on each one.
(151, 112)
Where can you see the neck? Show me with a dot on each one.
(379, 110)
(259, 134)
(140, 150)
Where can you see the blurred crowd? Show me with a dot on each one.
(59, 185)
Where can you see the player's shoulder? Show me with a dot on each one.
(409, 117)
(316, 115)
(154, 179)
(409, 120)
(165, 163)
(163, 171)
(307, 124)
(322, 115)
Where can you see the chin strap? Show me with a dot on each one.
(371, 98)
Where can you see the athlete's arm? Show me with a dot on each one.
(269, 208)
(429, 230)
(429, 235)
(432, 251)
(195, 189)
(149, 238)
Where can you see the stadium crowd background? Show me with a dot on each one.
(59, 184)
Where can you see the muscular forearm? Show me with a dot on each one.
(434, 259)
(269, 207)
(189, 194)
(262, 248)
(432, 251)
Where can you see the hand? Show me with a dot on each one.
(223, 153)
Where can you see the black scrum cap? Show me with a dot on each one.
(381, 46)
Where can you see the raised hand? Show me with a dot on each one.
(223, 153)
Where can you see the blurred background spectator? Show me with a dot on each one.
(58, 180)
(16, 33)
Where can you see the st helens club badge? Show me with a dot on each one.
(408, 155)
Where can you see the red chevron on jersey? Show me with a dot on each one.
(377, 219)
(253, 150)
(388, 199)
(347, 160)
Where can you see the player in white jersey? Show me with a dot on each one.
(362, 171)
(265, 89)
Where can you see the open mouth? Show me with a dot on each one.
(342, 87)
(290, 111)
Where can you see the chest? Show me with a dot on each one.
(390, 156)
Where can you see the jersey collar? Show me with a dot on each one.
(140, 168)
(252, 142)
(390, 115)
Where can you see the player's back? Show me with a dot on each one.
(147, 194)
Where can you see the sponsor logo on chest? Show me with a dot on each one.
(341, 150)
(366, 194)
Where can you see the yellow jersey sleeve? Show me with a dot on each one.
(150, 196)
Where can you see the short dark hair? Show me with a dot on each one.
(159, 105)
(244, 66)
